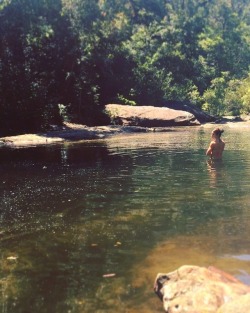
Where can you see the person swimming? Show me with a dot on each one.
(217, 145)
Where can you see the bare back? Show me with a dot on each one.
(216, 149)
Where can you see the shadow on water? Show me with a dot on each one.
(49, 179)
(128, 209)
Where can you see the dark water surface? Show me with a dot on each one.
(131, 206)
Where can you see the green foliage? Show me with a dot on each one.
(245, 98)
(233, 103)
(230, 97)
(4, 3)
(237, 97)
(63, 111)
(214, 96)
(123, 100)
(84, 54)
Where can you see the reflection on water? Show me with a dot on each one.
(218, 173)
(131, 207)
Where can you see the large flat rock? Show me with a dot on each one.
(194, 289)
(149, 116)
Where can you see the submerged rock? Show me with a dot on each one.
(194, 289)
(149, 116)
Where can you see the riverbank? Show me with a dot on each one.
(73, 132)
(76, 132)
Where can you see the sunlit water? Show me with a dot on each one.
(127, 207)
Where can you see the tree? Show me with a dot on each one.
(36, 65)
(237, 96)
(214, 96)
(80, 55)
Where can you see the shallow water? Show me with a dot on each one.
(127, 207)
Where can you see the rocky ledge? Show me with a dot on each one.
(74, 132)
(149, 116)
(124, 119)
(194, 289)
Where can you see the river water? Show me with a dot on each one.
(85, 227)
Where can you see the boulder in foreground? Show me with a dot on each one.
(194, 289)
(149, 116)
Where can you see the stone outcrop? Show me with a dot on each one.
(74, 132)
(194, 289)
(201, 116)
(149, 116)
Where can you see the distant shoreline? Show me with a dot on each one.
(76, 132)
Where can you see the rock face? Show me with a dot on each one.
(201, 116)
(193, 289)
(149, 116)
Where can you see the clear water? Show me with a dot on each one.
(86, 227)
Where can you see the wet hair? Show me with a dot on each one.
(218, 132)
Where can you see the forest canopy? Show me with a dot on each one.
(66, 59)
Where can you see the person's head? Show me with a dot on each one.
(217, 132)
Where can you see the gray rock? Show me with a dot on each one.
(149, 116)
(201, 116)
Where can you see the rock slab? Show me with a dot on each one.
(149, 116)
(194, 289)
